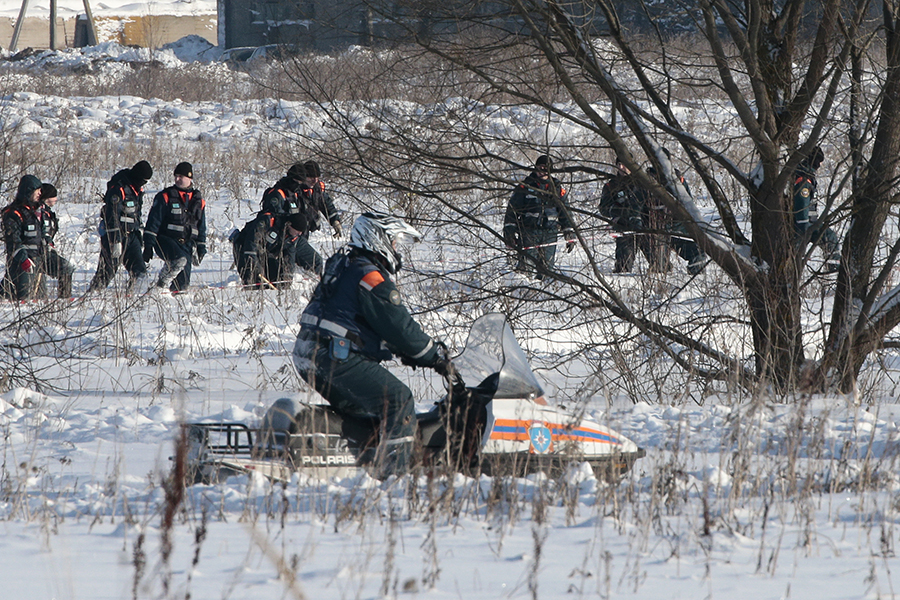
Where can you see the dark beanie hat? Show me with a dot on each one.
(48, 190)
(298, 221)
(543, 159)
(312, 169)
(141, 172)
(816, 157)
(185, 169)
(297, 171)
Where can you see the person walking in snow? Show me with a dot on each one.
(176, 230)
(54, 265)
(355, 320)
(280, 202)
(662, 220)
(624, 204)
(806, 210)
(536, 213)
(120, 227)
(24, 240)
(283, 197)
(264, 253)
(316, 201)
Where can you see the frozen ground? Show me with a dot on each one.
(814, 513)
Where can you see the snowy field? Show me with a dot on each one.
(734, 500)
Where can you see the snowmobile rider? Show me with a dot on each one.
(624, 204)
(55, 266)
(355, 320)
(264, 251)
(176, 230)
(23, 235)
(806, 210)
(121, 242)
(537, 210)
(316, 201)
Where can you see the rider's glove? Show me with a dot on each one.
(115, 250)
(338, 229)
(510, 238)
(441, 363)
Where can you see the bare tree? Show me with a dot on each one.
(777, 71)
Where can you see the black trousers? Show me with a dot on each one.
(132, 259)
(306, 256)
(57, 267)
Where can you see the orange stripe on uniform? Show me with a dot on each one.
(371, 280)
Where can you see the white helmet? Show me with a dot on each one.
(378, 232)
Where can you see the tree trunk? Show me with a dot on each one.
(773, 298)
(855, 292)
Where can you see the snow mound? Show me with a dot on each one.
(25, 398)
(194, 48)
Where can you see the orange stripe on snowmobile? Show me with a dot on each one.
(516, 430)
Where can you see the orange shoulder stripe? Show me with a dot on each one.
(371, 280)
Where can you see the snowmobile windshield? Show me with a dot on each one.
(492, 352)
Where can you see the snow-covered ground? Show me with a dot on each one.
(733, 500)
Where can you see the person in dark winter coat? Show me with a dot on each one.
(661, 219)
(121, 241)
(24, 240)
(806, 211)
(624, 205)
(265, 255)
(355, 320)
(283, 197)
(316, 202)
(55, 266)
(176, 230)
(537, 211)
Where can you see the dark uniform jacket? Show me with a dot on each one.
(317, 201)
(283, 198)
(357, 300)
(624, 203)
(268, 232)
(178, 214)
(49, 224)
(122, 206)
(22, 232)
(537, 204)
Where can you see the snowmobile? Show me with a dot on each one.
(502, 426)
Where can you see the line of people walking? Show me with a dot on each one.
(266, 250)
(269, 248)
(538, 211)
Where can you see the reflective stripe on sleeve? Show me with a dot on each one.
(425, 351)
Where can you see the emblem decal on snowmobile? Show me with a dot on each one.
(540, 437)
